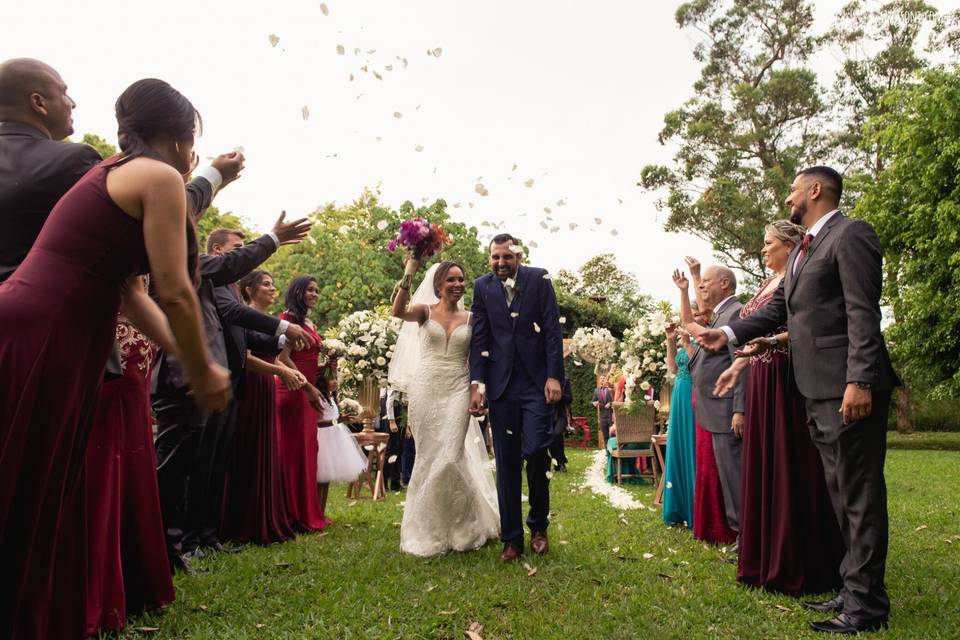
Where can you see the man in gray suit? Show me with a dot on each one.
(830, 301)
(722, 415)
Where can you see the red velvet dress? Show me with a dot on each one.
(57, 325)
(709, 516)
(254, 509)
(297, 421)
(127, 565)
(789, 538)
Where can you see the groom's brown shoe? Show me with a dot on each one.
(538, 543)
(511, 552)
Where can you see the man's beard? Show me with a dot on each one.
(797, 213)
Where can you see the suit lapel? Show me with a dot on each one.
(816, 242)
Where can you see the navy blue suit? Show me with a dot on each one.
(513, 351)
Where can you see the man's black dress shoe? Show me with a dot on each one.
(219, 548)
(844, 624)
(834, 605)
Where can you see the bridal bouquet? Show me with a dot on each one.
(643, 353)
(423, 238)
(369, 339)
(594, 345)
(349, 407)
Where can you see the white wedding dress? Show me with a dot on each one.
(451, 502)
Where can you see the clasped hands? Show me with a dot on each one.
(552, 393)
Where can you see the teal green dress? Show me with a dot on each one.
(680, 474)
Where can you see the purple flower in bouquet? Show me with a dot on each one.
(422, 238)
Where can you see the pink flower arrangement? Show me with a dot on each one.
(423, 238)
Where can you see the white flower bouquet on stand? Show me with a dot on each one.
(595, 345)
(643, 355)
(369, 339)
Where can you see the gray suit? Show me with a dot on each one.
(715, 413)
(831, 306)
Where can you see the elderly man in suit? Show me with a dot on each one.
(830, 301)
(722, 415)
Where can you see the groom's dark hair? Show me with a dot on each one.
(501, 238)
(829, 177)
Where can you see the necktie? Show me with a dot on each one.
(803, 250)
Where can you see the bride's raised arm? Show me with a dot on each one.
(415, 313)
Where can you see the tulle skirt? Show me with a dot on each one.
(340, 458)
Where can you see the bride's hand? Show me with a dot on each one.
(411, 265)
(478, 402)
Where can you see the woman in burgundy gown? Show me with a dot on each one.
(297, 416)
(127, 565)
(57, 326)
(254, 508)
(789, 538)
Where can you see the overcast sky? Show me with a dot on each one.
(573, 93)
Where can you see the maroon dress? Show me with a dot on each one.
(789, 538)
(127, 567)
(57, 324)
(709, 516)
(254, 509)
(297, 421)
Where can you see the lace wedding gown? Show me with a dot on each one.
(451, 501)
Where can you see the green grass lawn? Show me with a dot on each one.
(352, 581)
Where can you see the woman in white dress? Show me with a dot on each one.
(451, 502)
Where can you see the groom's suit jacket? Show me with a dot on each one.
(831, 306)
(501, 341)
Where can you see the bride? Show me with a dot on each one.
(451, 501)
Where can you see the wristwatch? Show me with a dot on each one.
(866, 386)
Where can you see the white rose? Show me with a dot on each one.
(644, 385)
(362, 364)
(381, 361)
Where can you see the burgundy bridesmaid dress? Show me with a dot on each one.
(298, 443)
(254, 508)
(57, 325)
(789, 538)
(709, 516)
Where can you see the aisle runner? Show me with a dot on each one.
(595, 479)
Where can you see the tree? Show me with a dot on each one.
(914, 204)
(104, 148)
(600, 279)
(346, 252)
(879, 42)
(748, 128)
(213, 219)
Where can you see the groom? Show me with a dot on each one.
(516, 363)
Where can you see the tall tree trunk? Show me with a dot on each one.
(906, 417)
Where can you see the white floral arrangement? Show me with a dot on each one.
(595, 345)
(349, 407)
(643, 353)
(368, 340)
(331, 350)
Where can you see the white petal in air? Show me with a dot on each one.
(563, 320)
(392, 459)
(482, 190)
(418, 148)
(305, 112)
(528, 183)
(485, 354)
(274, 39)
(324, 9)
(514, 314)
(536, 327)
(340, 50)
(397, 114)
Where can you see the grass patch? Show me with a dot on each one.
(924, 440)
(353, 582)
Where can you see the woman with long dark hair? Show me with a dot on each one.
(254, 507)
(297, 413)
(58, 317)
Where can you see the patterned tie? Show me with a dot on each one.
(803, 250)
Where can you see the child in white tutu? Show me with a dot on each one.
(340, 458)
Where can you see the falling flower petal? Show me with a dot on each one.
(482, 190)
(536, 327)
(647, 556)
(368, 447)
(485, 354)
(561, 202)
(371, 51)
(436, 53)
(531, 571)
(389, 67)
(573, 226)
(305, 112)
(544, 224)
(377, 76)
(351, 77)
(563, 320)
(549, 475)
(324, 9)
(619, 201)
(598, 220)
(419, 147)
(548, 210)
(470, 204)
(514, 314)
(528, 183)
(392, 459)
(509, 433)
(533, 244)
(397, 114)
(274, 39)
(554, 229)
(340, 50)
(613, 232)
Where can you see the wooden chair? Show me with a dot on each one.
(636, 428)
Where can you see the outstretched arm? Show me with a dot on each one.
(415, 313)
